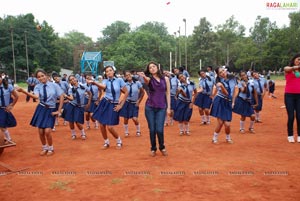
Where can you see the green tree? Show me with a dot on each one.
(77, 43)
(260, 34)
(15, 30)
(133, 50)
(202, 44)
(228, 33)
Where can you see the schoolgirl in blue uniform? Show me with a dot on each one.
(107, 112)
(184, 104)
(44, 116)
(74, 110)
(31, 82)
(8, 98)
(210, 73)
(225, 89)
(130, 110)
(260, 85)
(174, 83)
(271, 88)
(204, 96)
(96, 96)
(64, 85)
(243, 104)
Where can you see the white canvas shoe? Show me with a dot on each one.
(291, 139)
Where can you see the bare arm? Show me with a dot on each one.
(223, 89)
(122, 101)
(288, 69)
(89, 100)
(99, 85)
(255, 98)
(61, 102)
(146, 79)
(168, 95)
(194, 95)
(69, 97)
(19, 89)
(214, 91)
(15, 98)
(235, 93)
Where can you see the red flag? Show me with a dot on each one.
(168, 3)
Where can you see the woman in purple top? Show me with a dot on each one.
(157, 104)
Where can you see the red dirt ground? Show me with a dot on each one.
(261, 166)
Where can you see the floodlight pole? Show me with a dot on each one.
(13, 53)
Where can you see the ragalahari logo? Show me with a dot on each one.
(283, 5)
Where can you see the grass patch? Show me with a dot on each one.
(116, 181)
(277, 77)
(157, 190)
(22, 84)
(61, 185)
(148, 177)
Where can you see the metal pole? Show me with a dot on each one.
(185, 45)
(175, 62)
(200, 61)
(25, 32)
(13, 53)
(179, 52)
(170, 61)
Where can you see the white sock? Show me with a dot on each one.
(251, 124)
(138, 128)
(7, 135)
(119, 141)
(203, 118)
(208, 118)
(228, 137)
(88, 123)
(50, 148)
(257, 116)
(45, 147)
(96, 123)
(215, 136)
(187, 127)
(242, 125)
(180, 127)
(82, 132)
(126, 128)
(73, 132)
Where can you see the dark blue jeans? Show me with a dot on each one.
(156, 119)
(292, 104)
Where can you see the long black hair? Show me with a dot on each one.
(73, 88)
(134, 79)
(40, 71)
(230, 76)
(203, 71)
(5, 82)
(112, 67)
(292, 61)
(159, 72)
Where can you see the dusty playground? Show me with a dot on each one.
(261, 166)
